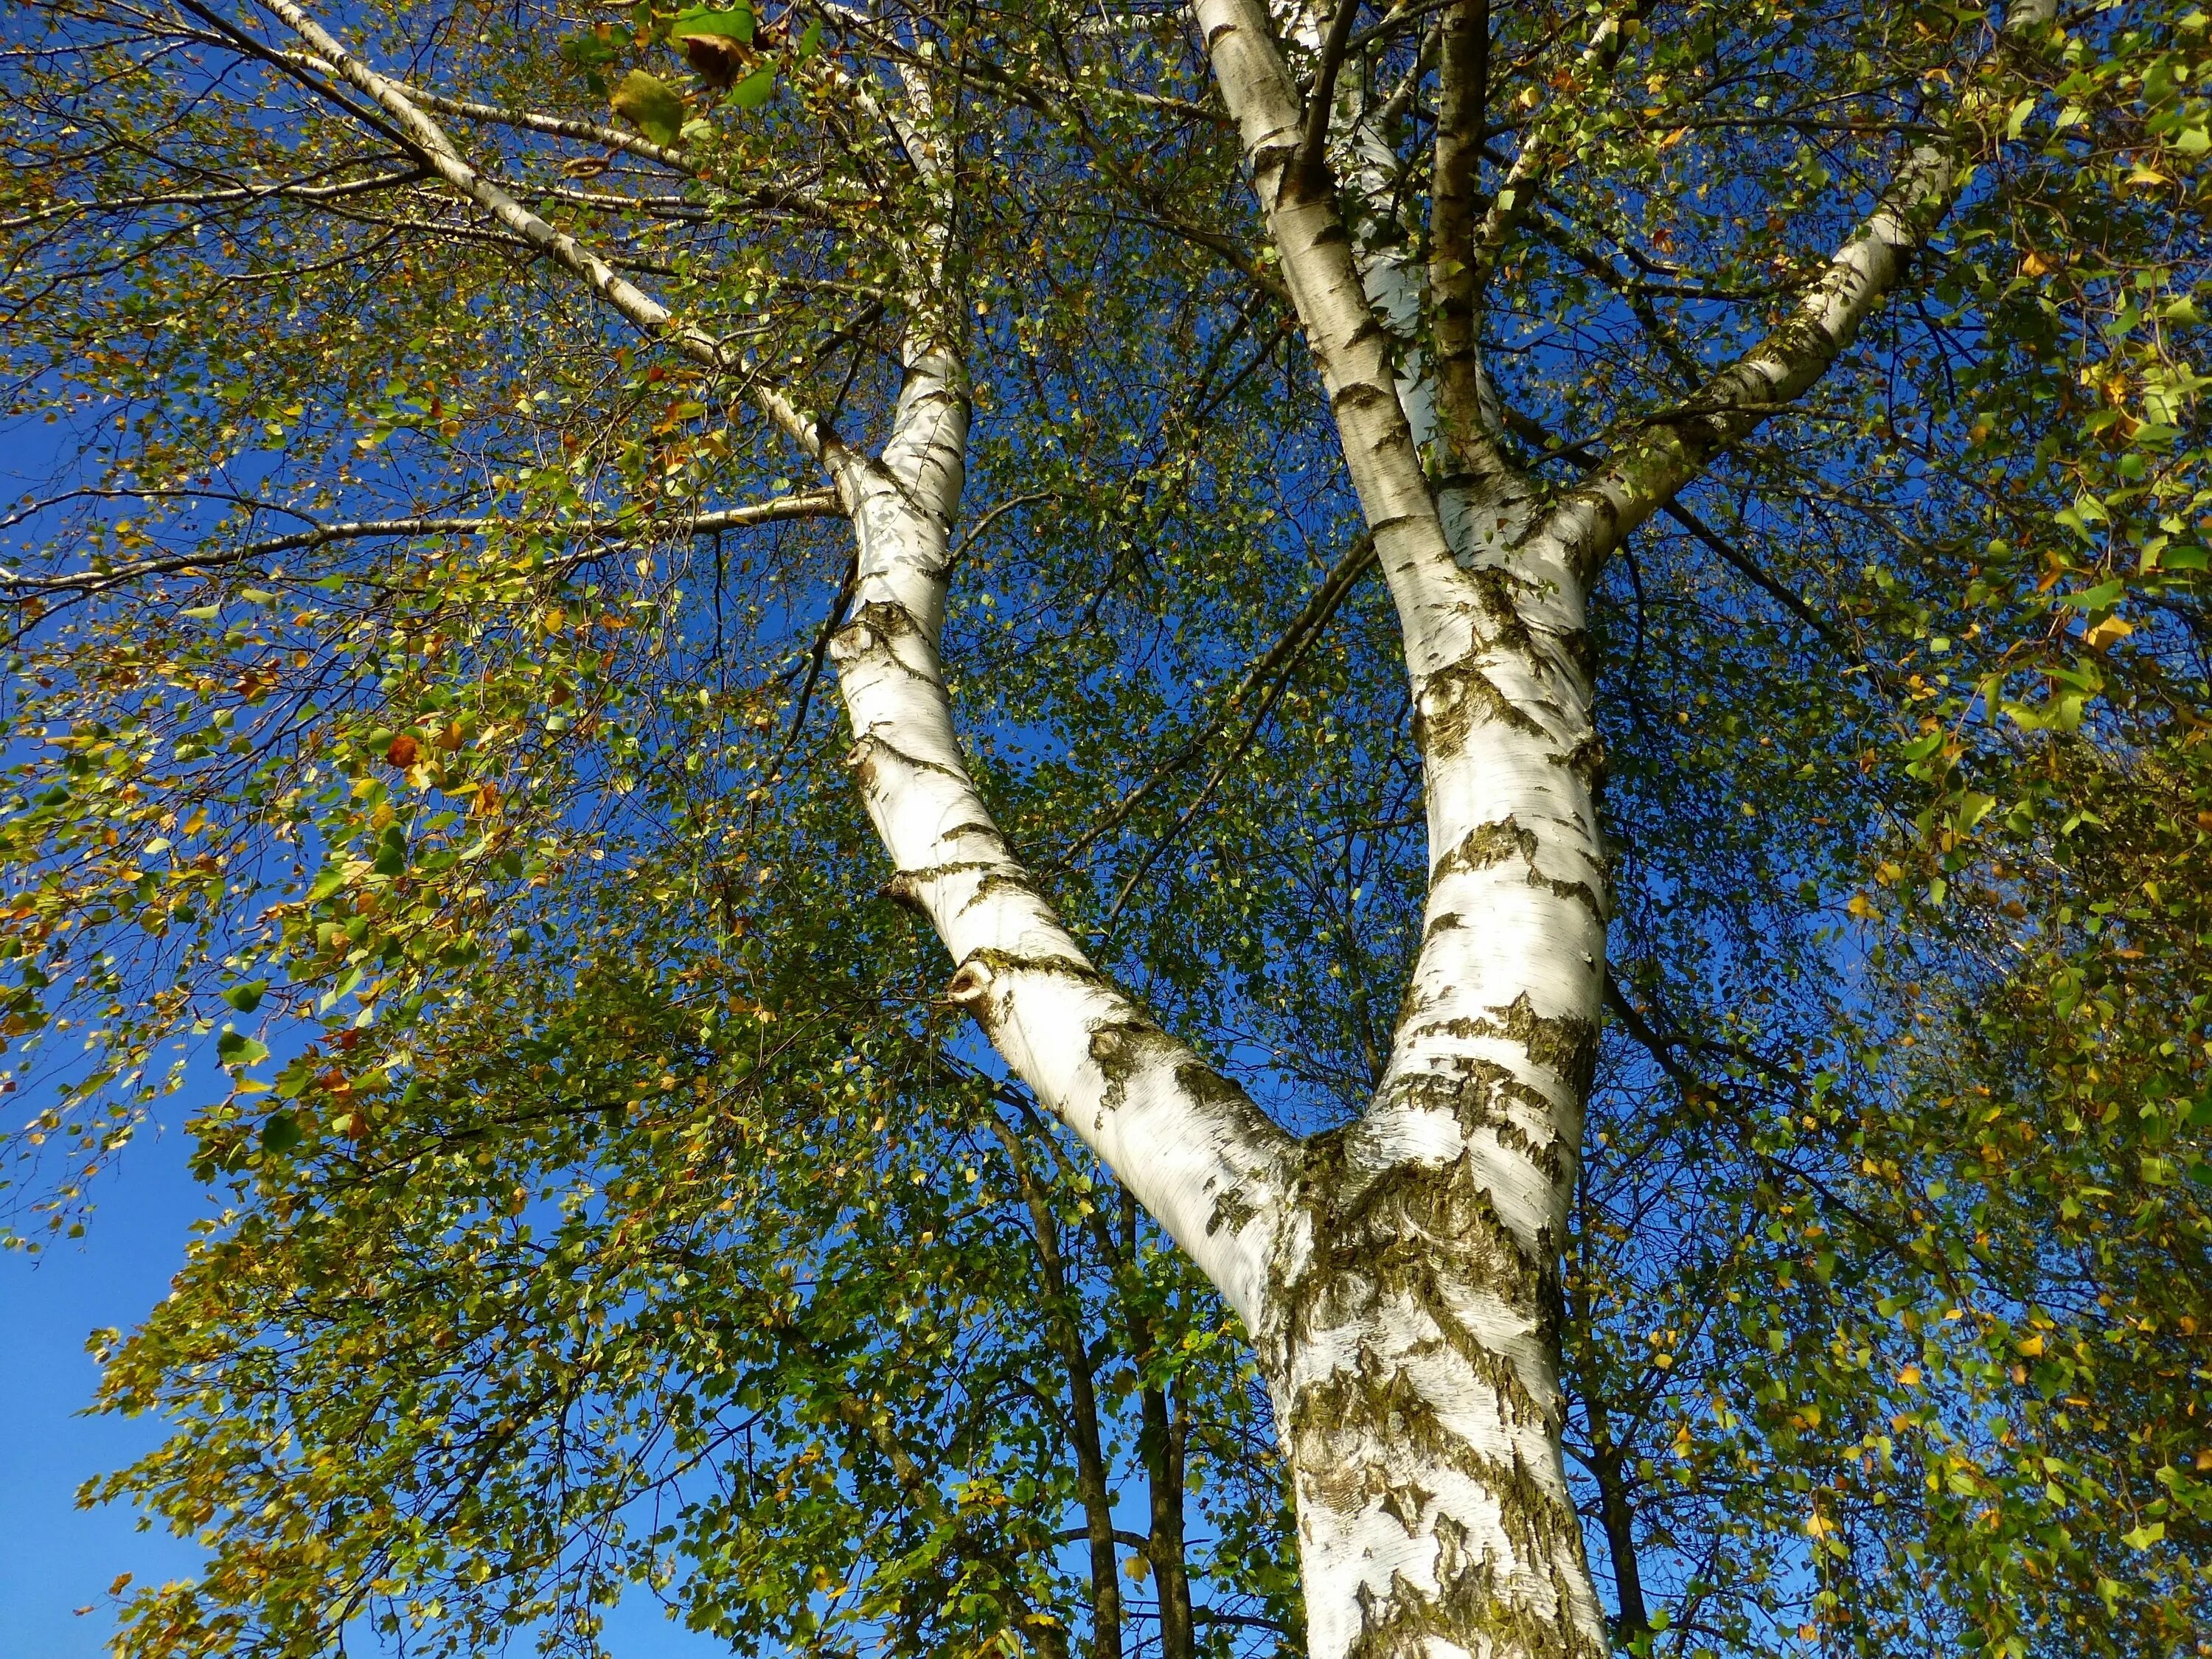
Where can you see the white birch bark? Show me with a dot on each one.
(1189, 1144)
(1414, 1351)
(1197, 1153)
(1414, 1356)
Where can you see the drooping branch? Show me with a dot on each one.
(812, 504)
(1277, 660)
(291, 189)
(404, 116)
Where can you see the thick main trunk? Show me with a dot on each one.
(1412, 1327)
(1414, 1349)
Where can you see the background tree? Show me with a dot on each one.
(435, 654)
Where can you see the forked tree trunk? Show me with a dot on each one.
(1413, 1342)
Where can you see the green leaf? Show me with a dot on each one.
(753, 91)
(735, 23)
(2144, 1536)
(650, 104)
(587, 51)
(248, 996)
(203, 612)
(2102, 597)
(811, 42)
(236, 1048)
(279, 1133)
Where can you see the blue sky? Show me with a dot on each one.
(57, 1557)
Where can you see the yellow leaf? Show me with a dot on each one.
(2107, 632)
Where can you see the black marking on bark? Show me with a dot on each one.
(1586, 760)
(1486, 845)
(1334, 1417)
(1456, 699)
(1359, 396)
(1563, 1044)
(885, 617)
(1474, 1597)
(862, 759)
(903, 890)
(1365, 331)
(1476, 1098)
(1013, 962)
(1003, 878)
(1489, 844)
(1231, 1211)
(1494, 589)
(971, 983)
(1122, 1048)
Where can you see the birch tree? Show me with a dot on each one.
(1486, 309)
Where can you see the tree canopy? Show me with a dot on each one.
(423, 699)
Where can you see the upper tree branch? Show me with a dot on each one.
(425, 136)
(815, 504)
(1645, 473)
(1547, 146)
(1353, 348)
(1466, 424)
(1311, 168)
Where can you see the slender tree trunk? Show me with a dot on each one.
(1165, 1435)
(1063, 1323)
(1160, 1441)
(1614, 1515)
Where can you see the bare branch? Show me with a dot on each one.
(1310, 168)
(1277, 659)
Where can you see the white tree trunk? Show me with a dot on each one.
(1414, 1332)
